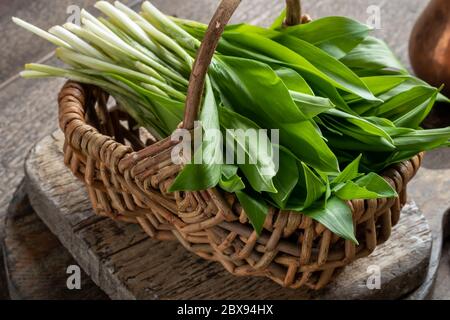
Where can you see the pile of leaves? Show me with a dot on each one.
(344, 106)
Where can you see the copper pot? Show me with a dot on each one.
(429, 51)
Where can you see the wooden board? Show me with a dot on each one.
(35, 261)
(126, 264)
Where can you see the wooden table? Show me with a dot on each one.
(32, 104)
(126, 264)
(35, 259)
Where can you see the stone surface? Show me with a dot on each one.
(126, 264)
(35, 261)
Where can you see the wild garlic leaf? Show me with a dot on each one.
(378, 85)
(278, 22)
(311, 188)
(350, 190)
(170, 112)
(377, 184)
(349, 173)
(365, 125)
(311, 106)
(339, 74)
(258, 165)
(255, 208)
(256, 92)
(232, 184)
(404, 102)
(335, 35)
(293, 81)
(195, 176)
(229, 170)
(315, 187)
(304, 57)
(286, 178)
(305, 142)
(336, 215)
(256, 89)
(414, 117)
(421, 140)
(369, 141)
(371, 57)
(230, 180)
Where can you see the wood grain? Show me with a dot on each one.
(126, 264)
(35, 261)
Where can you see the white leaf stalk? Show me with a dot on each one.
(77, 43)
(164, 24)
(131, 56)
(41, 33)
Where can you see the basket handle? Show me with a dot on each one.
(208, 47)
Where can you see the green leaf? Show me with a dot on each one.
(371, 56)
(195, 177)
(341, 76)
(365, 125)
(350, 190)
(349, 173)
(311, 106)
(278, 22)
(286, 178)
(303, 140)
(230, 180)
(336, 215)
(314, 186)
(309, 189)
(253, 90)
(299, 55)
(255, 208)
(335, 35)
(414, 117)
(256, 88)
(168, 111)
(378, 85)
(259, 168)
(293, 81)
(354, 137)
(404, 102)
(370, 186)
(229, 170)
(421, 140)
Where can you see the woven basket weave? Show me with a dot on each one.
(127, 175)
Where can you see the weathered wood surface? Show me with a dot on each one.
(35, 261)
(29, 107)
(126, 264)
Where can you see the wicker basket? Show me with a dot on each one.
(127, 175)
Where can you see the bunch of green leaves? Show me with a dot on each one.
(344, 105)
